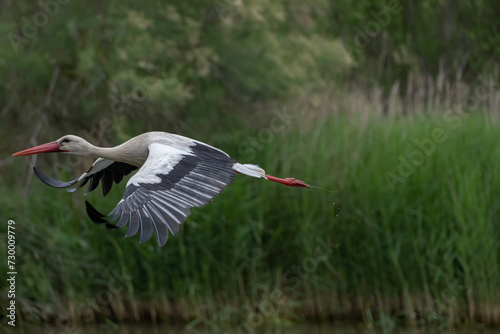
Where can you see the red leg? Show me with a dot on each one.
(289, 181)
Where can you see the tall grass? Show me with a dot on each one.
(423, 249)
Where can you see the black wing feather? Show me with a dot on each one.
(53, 182)
(107, 182)
(98, 217)
(94, 182)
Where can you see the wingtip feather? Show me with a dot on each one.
(94, 215)
(51, 181)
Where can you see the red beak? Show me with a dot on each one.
(53, 146)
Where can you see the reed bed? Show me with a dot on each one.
(401, 226)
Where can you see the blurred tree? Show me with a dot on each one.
(157, 65)
(183, 66)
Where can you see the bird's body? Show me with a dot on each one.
(175, 173)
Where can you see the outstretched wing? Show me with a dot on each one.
(105, 171)
(171, 181)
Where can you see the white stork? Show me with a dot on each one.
(175, 174)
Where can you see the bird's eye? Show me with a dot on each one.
(65, 140)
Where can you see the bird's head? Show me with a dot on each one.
(66, 144)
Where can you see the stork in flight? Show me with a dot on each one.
(175, 174)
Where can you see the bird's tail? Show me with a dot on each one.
(256, 171)
(250, 170)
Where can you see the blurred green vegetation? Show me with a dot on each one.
(340, 94)
(426, 252)
(170, 65)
